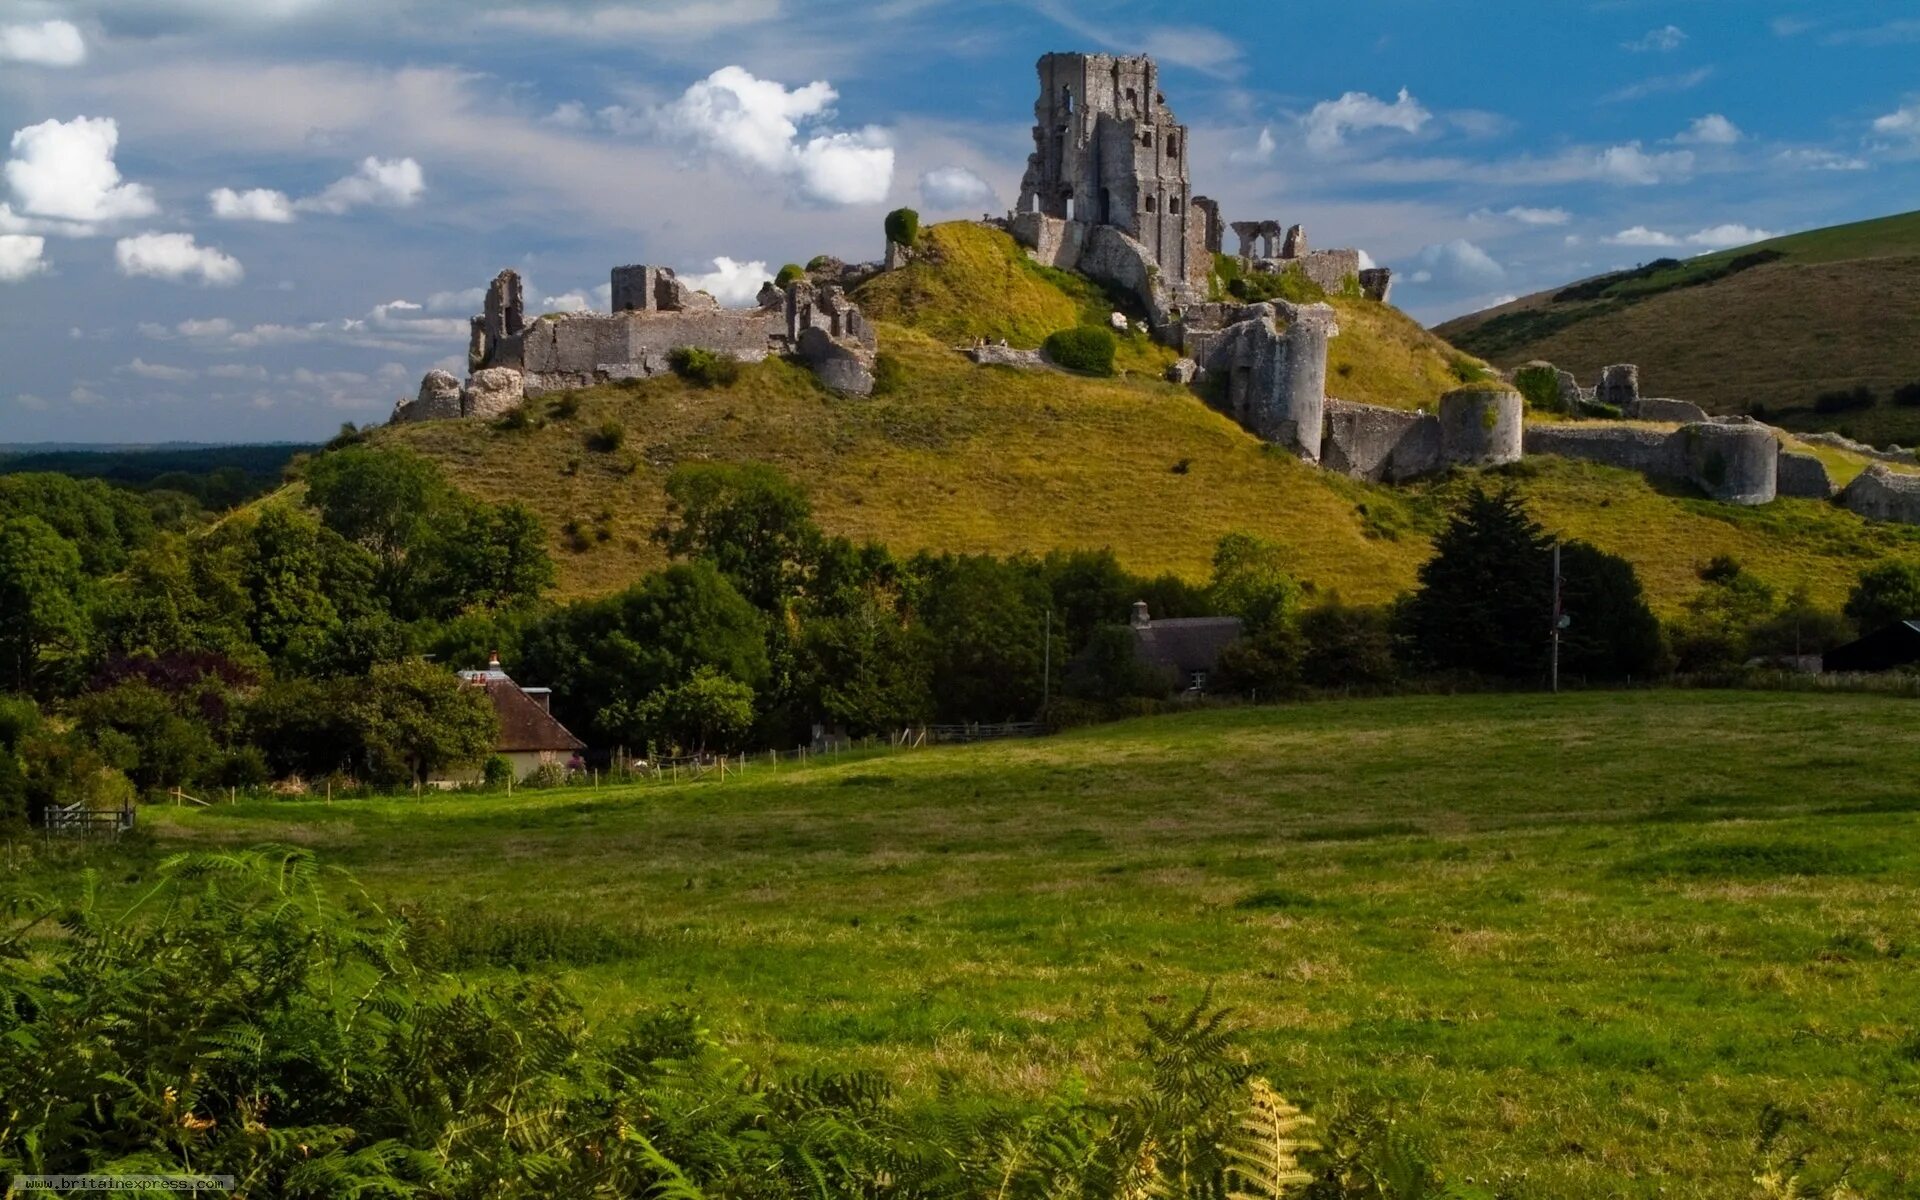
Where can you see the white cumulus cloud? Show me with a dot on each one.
(954, 187)
(757, 123)
(1332, 120)
(1630, 164)
(1710, 130)
(1901, 122)
(1458, 262)
(64, 170)
(1714, 237)
(1666, 39)
(254, 204)
(386, 182)
(1260, 152)
(733, 284)
(21, 256)
(1538, 216)
(175, 256)
(46, 44)
(566, 302)
(159, 371)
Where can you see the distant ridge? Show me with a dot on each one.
(1768, 328)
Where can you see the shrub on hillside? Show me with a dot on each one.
(889, 374)
(1844, 400)
(903, 226)
(1907, 395)
(1087, 348)
(791, 273)
(1885, 593)
(1291, 285)
(707, 368)
(608, 437)
(1541, 387)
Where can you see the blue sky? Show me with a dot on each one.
(250, 219)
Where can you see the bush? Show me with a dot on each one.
(819, 262)
(497, 771)
(889, 374)
(1541, 386)
(1290, 285)
(704, 367)
(1844, 400)
(1907, 395)
(791, 273)
(563, 406)
(1087, 348)
(608, 437)
(903, 226)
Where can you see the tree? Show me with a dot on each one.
(1347, 646)
(750, 521)
(625, 647)
(487, 555)
(1483, 604)
(415, 718)
(865, 670)
(301, 580)
(1250, 581)
(1611, 633)
(1886, 592)
(104, 523)
(140, 731)
(983, 625)
(385, 501)
(1716, 631)
(43, 628)
(903, 226)
(709, 711)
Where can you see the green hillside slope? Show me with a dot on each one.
(965, 458)
(1766, 328)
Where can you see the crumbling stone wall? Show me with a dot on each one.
(1680, 412)
(1652, 452)
(1385, 445)
(1803, 476)
(1271, 365)
(1881, 494)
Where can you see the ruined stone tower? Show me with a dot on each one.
(1109, 152)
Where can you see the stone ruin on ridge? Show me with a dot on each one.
(654, 314)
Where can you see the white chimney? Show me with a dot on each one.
(1140, 618)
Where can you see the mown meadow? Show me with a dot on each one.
(1592, 944)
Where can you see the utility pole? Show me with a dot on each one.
(1046, 670)
(1558, 619)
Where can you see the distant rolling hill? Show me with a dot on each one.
(1769, 328)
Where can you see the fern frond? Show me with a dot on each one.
(1264, 1158)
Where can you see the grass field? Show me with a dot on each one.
(1587, 940)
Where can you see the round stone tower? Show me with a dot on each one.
(1737, 463)
(1480, 426)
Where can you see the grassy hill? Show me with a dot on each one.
(1588, 940)
(964, 458)
(1770, 327)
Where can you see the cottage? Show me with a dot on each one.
(530, 736)
(1184, 651)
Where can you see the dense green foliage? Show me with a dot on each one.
(791, 273)
(1886, 593)
(253, 1017)
(903, 227)
(708, 368)
(1086, 348)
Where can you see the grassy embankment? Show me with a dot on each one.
(958, 457)
(1590, 938)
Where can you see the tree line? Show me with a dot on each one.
(315, 634)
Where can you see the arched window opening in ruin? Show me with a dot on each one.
(1173, 147)
(1146, 138)
(1173, 207)
(1066, 98)
(1069, 204)
(1149, 203)
(1106, 207)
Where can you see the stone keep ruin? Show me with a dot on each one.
(653, 315)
